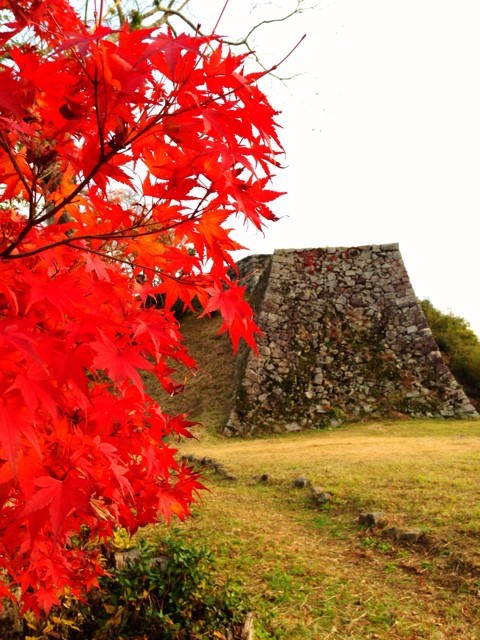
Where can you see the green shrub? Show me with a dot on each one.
(460, 348)
(164, 590)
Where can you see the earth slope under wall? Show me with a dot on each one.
(344, 337)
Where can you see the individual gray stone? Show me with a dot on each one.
(391, 532)
(373, 519)
(292, 427)
(321, 497)
(410, 536)
(124, 558)
(301, 482)
(335, 422)
(406, 536)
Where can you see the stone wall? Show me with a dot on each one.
(344, 338)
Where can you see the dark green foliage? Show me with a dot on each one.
(164, 590)
(135, 19)
(459, 346)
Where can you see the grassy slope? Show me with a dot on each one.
(315, 574)
(208, 392)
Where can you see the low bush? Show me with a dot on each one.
(459, 346)
(158, 589)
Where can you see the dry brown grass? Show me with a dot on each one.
(208, 392)
(317, 574)
(355, 443)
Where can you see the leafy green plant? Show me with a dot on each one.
(374, 543)
(160, 588)
(459, 346)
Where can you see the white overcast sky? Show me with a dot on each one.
(382, 134)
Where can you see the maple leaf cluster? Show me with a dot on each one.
(85, 112)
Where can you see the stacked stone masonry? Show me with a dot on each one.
(344, 338)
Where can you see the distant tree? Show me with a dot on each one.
(460, 347)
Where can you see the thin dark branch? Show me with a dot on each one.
(33, 199)
(105, 157)
(52, 212)
(120, 234)
(97, 114)
(245, 41)
(6, 146)
(128, 263)
(221, 15)
(298, 9)
(168, 11)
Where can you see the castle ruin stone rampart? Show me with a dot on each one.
(344, 337)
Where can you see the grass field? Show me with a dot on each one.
(313, 572)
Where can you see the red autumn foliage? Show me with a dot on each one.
(180, 124)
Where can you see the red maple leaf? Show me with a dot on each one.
(121, 362)
(60, 497)
(235, 311)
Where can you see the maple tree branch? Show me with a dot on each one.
(105, 157)
(246, 40)
(139, 17)
(298, 9)
(128, 263)
(226, 3)
(32, 202)
(7, 253)
(32, 222)
(125, 233)
(120, 13)
(52, 212)
(97, 115)
(8, 149)
(171, 12)
(136, 17)
(278, 64)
